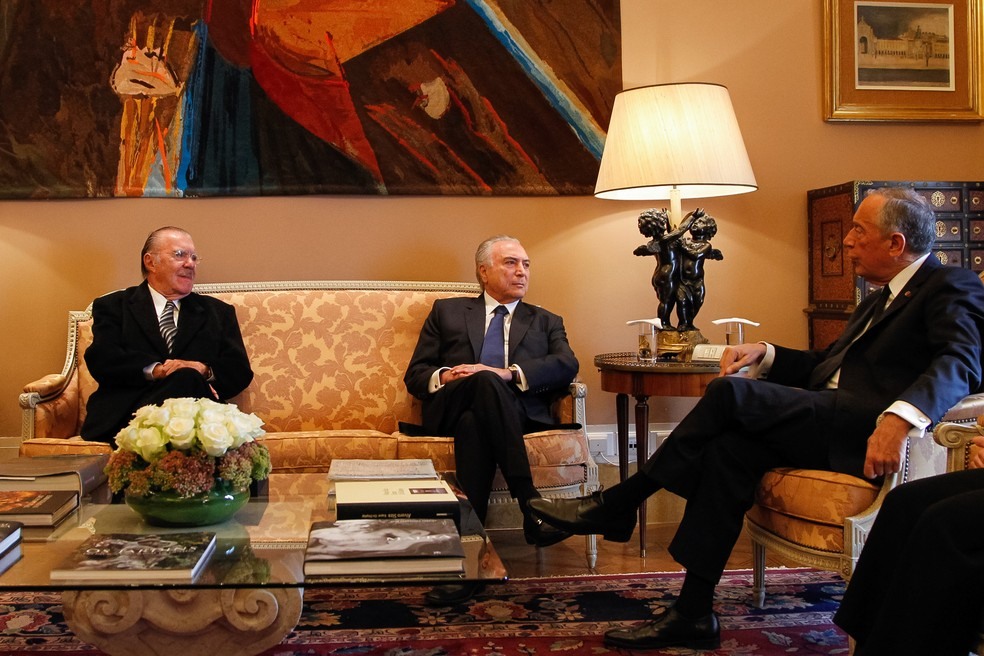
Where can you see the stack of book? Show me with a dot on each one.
(84, 475)
(37, 508)
(384, 547)
(172, 557)
(10, 543)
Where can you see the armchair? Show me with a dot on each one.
(821, 519)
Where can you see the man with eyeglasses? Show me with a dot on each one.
(159, 340)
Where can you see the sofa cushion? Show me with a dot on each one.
(808, 506)
(313, 451)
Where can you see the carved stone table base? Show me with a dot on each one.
(191, 622)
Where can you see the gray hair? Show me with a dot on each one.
(908, 212)
(151, 244)
(484, 254)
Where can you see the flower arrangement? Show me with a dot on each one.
(187, 447)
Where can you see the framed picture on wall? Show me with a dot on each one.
(903, 61)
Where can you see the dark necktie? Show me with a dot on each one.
(168, 327)
(493, 348)
(823, 371)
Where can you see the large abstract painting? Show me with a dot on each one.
(191, 98)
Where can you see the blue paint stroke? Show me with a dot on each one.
(583, 127)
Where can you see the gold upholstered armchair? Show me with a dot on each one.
(821, 519)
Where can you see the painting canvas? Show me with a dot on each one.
(904, 46)
(195, 98)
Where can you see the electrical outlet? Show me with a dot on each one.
(598, 445)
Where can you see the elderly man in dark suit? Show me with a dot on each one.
(906, 356)
(487, 370)
(159, 340)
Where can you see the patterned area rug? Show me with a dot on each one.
(522, 617)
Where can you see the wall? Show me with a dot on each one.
(57, 256)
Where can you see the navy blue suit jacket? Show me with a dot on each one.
(453, 334)
(926, 349)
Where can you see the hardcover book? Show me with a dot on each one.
(135, 557)
(355, 469)
(396, 499)
(37, 507)
(9, 557)
(81, 474)
(384, 547)
(10, 534)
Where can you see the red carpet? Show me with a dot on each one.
(522, 617)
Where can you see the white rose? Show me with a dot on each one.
(149, 443)
(215, 438)
(127, 437)
(184, 407)
(158, 416)
(244, 428)
(181, 431)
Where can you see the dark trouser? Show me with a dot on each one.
(716, 456)
(917, 586)
(487, 421)
(180, 384)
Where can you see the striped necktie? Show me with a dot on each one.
(168, 327)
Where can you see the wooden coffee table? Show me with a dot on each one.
(247, 599)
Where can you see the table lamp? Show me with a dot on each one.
(671, 142)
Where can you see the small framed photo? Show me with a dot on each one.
(903, 61)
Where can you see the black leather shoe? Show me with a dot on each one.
(586, 516)
(669, 630)
(453, 593)
(540, 534)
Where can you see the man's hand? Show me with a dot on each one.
(977, 453)
(885, 446)
(740, 355)
(465, 370)
(168, 367)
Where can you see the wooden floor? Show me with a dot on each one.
(567, 558)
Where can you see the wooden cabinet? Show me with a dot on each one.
(835, 290)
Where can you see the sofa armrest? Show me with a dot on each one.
(50, 407)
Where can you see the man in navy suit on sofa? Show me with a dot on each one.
(487, 370)
(139, 359)
(906, 356)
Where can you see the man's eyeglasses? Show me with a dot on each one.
(181, 256)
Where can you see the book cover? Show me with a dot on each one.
(82, 474)
(380, 547)
(136, 557)
(37, 507)
(396, 499)
(9, 557)
(355, 469)
(10, 534)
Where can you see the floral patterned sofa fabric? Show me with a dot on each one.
(328, 359)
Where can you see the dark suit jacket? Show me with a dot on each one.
(926, 349)
(453, 334)
(126, 338)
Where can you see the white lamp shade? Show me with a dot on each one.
(674, 136)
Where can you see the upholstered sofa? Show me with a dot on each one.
(329, 359)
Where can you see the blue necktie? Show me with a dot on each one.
(493, 348)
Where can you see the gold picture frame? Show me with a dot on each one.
(903, 61)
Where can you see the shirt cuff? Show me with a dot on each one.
(520, 377)
(761, 368)
(435, 380)
(148, 371)
(920, 422)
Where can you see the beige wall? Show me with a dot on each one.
(57, 256)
